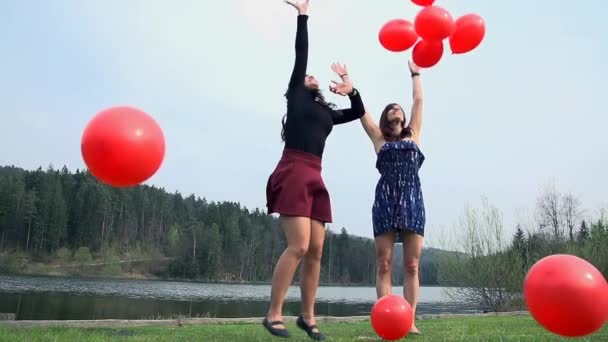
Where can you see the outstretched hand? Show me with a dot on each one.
(341, 88)
(301, 5)
(414, 69)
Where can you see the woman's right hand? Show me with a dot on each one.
(300, 5)
(346, 86)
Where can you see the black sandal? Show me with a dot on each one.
(274, 331)
(317, 336)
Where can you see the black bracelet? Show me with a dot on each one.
(414, 74)
(353, 92)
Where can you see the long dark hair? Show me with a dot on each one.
(317, 95)
(389, 131)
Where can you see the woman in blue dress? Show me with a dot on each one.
(398, 211)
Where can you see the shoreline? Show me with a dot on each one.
(119, 323)
(142, 277)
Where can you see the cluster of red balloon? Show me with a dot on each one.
(431, 26)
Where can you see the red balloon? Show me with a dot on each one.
(468, 33)
(427, 53)
(392, 317)
(397, 35)
(567, 295)
(434, 23)
(122, 146)
(423, 2)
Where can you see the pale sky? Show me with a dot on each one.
(523, 109)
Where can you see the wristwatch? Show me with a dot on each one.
(354, 92)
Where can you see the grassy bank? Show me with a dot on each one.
(498, 328)
(140, 266)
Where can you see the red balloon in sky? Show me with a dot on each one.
(423, 2)
(468, 33)
(434, 23)
(397, 35)
(122, 146)
(427, 53)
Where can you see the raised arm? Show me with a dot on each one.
(416, 116)
(299, 69)
(357, 109)
(372, 130)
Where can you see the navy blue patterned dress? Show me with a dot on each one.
(398, 204)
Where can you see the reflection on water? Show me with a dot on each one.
(74, 298)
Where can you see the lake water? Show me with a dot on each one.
(50, 298)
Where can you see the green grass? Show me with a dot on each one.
(513, 328)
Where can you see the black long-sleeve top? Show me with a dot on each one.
(308, 122)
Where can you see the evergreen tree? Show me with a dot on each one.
(583, 233)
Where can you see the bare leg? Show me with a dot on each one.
(311, 271)
(412, 248)
(297, 233)
(384, 263)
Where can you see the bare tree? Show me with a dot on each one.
(571, 214)
(549, 210)
(488, 275)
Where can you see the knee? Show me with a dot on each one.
(384, 264)
(411, 268)
(297, 250)
(315, 251)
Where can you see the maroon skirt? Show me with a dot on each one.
(296, 188)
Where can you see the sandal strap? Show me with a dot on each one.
(307, 327)
(273, 323)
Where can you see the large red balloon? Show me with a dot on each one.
(423, 2)
(468, 33)
(434, 23)
(392, 317)
(122, 146)
(397, 35)
(427, 53)
(567, 295)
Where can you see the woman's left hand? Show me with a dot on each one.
(341, 88)
(414, 69)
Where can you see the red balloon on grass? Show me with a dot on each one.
(434, 23)
(397, 35)
(427, 53)
(567, 295)
(423, 2)
(392, 317)
(469, 31)
(122, 146)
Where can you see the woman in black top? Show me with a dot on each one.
(295, 189)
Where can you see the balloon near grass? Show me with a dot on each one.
(567, 295)
(392, 317)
